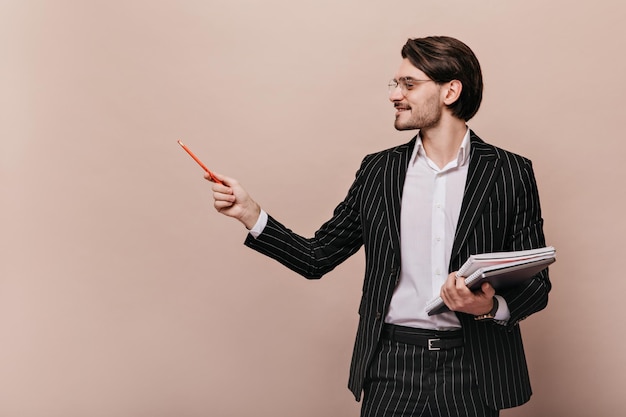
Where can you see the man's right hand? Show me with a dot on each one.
(233, 201)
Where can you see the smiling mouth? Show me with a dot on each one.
(400, 109)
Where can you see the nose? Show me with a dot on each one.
(395, 94)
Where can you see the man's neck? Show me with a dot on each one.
(442, 142)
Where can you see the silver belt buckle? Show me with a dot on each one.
(430, 344)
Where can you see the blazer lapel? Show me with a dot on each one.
(481, 175)
(393, 185)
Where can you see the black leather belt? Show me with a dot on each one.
(429, 339)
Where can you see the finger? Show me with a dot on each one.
(226, 197)
(488, 289)
(461, 286)
(448, 289)
(224, 179)
(221, 205)
(212, 176)
(460, 283)
(450, 282)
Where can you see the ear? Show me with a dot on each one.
(452, 92)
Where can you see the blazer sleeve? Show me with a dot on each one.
(335, 241)
(527, 233)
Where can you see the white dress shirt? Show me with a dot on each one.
(431, 203)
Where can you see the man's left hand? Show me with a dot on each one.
(458, 297)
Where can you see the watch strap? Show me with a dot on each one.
(491, 314)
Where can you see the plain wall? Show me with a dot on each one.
(123, 293)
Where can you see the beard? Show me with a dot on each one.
(428, 115)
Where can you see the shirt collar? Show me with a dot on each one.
(462, 156)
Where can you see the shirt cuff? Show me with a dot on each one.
(503, 314)
(260, 224)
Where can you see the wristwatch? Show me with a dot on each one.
(491, 314)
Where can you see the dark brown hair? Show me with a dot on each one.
(444, 59)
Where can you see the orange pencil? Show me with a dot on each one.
(195, 158)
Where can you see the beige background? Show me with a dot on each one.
(122, 293)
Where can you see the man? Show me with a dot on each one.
(420, 209)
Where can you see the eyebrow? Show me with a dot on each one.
(407, 79)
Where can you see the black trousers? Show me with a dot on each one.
(407, 380)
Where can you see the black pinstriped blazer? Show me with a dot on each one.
(500, 212)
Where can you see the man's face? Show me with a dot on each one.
(416, 99)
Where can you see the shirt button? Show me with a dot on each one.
(378, 315)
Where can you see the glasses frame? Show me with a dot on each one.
(404, 83)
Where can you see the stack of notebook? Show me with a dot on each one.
(500, 269)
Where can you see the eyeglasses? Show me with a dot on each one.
(406, 84)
